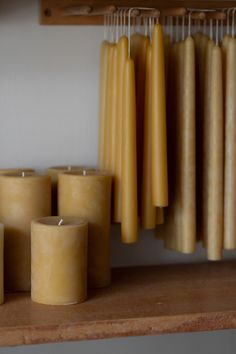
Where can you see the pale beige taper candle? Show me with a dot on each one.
(59, 260)
(230, 148)
(23, 197)
(129, 214)
(1, 263)
(216, 181)
(188, 167)
(203, 227)
(87, 195)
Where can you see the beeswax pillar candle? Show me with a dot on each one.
(59, 260)
(129, 216)
(23, 197)
(148, 210)
(103, 101)
(230, 149)
(159, 139)
(88, 196)
(216, 182)
(1, 263)
(122, 48)
(188, 165)
(54, 172)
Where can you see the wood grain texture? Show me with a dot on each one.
(141, 301)
(51, 11)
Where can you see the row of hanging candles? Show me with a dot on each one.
(200, 81)
(127, 94)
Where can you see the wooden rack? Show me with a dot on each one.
(81, 12)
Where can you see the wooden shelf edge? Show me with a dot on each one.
(117, 329)
(147, 300)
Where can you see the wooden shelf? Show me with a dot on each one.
(52, 11)
(141, 301)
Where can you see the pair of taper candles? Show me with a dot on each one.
(140, 183)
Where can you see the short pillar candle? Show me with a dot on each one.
(87, 194)
(54, 172)
(23, 197)
(1, 264)
(59, 260)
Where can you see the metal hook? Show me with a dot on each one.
(211, 28)
(233, 29)
(217, 32)
(177, 29)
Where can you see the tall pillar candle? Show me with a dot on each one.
(88, 196)
(23, 197)
(59, 260)
(1, 263)
(54, 172)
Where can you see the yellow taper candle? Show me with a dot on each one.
(103, 101)
(159, 139)
(23, 197)
(1, 263)
(122, 48)
(216, 169)
(88, 195)
(230, 148)
(148, 210)
(129, 216)
(59, 260)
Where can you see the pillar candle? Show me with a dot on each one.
(216, 181)
(148, 210)
(129, 216)
(23, 197)
(88, 196)
(122, 48)
(59, 260)
(230, 148)
(159, 138)
(54, 172)
(1, 263)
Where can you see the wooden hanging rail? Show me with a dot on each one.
(77, 12)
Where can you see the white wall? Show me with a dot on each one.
(48, 109)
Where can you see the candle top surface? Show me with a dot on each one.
(86, 173)
(23, 174)
(71, 168)
(15, 170)
(60, 221)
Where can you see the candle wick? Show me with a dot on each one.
(60, 222)
(84, 172)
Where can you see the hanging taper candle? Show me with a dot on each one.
(230, 148)
(159, 139)
(215, 186)
(129, 216)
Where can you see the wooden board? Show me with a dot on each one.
(141, 301)
(51, 11)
